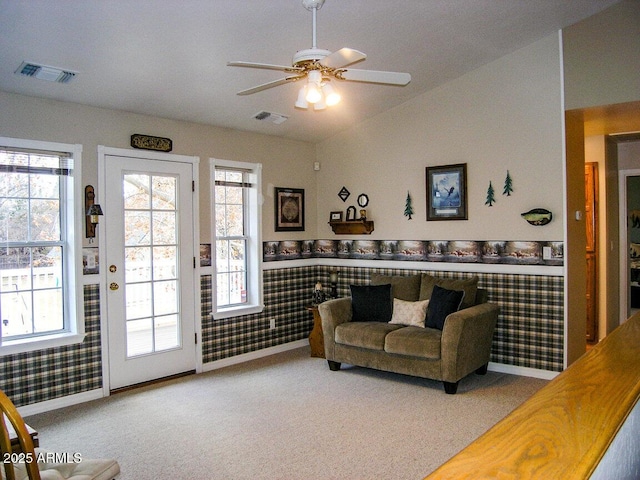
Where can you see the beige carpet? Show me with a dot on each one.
(285, 417)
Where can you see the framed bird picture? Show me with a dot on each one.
(447, 192)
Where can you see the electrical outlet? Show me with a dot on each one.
(272, 323)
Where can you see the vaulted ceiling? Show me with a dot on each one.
(168, 58)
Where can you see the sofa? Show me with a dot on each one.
(419, 325)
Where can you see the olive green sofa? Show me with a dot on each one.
(448, 352)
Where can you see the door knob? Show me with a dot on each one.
(112, 268)
(114, 286)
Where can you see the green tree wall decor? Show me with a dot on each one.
(490, 195)
(408, 208)
(508, 185)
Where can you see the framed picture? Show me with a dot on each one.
(335, 216)
(289, 214)
(205, 254)
(90, 263)
(447, 192)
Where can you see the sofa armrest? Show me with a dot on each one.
(333, 313)
(466, 340)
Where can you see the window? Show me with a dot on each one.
(237, 242)
(39, 277)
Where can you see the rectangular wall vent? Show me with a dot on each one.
(44, 72)
(276, 118)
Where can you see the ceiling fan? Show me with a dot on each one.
(319, 67)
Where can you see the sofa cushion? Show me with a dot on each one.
(369, 335)
(468, 285)
(415, 342)
(442, 303)
(402, 287)
(371, 303)
(409, 313)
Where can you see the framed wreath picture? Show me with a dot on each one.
(447, 192)
(289, 205)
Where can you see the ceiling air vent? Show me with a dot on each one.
(44, 72)
(270, 117)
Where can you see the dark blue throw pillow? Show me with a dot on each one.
(371, 303)
(442, 303)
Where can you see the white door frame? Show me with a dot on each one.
(624, 242)
(150, 155)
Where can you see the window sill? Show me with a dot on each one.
(237, 311)
(40, 343)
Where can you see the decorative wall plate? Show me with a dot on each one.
(538, 216)
(363, 200)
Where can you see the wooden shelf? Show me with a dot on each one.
(355, 227)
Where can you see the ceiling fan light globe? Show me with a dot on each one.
(331, 95)
(301, 102)
(320, 105)
(313, 94)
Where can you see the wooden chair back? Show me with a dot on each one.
(27, 454)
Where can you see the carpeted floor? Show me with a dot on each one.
(286, 416)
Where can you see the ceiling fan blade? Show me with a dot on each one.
(274, 83)
(342, 58)
(266, 66)
(375, 76)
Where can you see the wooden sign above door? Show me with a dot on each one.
(147, 142)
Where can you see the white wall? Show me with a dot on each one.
(504, 116)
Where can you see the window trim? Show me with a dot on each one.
(255, 302)
(73, 268)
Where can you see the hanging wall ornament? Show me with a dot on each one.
(538, 216)
(408, 208)
(490, 196)
(344, 194)
(508, 185)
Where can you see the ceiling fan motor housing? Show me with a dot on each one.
(309, 55)
(311, 4)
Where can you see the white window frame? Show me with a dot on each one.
(253, 216)
(72, 264)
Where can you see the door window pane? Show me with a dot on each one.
(137, 191)
(166, 332)
(137, 264)
(139, 337)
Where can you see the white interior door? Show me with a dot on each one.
(148, 228)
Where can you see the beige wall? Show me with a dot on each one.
(601, 58)
(504, 116)
(285, 163)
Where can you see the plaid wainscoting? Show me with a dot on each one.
(34, 377)
(286, 293)
(530, 330)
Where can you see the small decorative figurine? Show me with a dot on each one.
(318, 294)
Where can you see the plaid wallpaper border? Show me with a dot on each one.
(51, 373)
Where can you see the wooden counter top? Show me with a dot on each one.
(564, 430)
